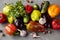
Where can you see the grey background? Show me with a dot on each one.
(54, 36)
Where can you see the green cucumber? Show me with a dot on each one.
(45, 7)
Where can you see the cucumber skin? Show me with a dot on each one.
(45, 7)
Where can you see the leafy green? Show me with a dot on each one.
(17, 10)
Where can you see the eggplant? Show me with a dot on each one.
(19, 23)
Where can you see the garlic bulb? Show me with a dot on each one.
(42, 21)
(34, 35)
(23, 33)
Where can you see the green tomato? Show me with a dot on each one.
(6, 9)
(35, 15)
(35, 6)
(10, 19)
(26, 19)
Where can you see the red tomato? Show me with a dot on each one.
(56, 24)
(29, 9)
(2, 18)
(10, 29)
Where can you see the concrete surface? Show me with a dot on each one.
(54, 36)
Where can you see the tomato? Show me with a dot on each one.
(29, 9)
(10, 29)
(56, 24)
(2, 18)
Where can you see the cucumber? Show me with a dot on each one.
(45, 7)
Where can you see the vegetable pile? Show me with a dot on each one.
(22, 18)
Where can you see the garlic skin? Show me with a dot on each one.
(23, 33)
(42, 21)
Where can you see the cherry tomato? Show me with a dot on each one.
(10, 29)
(2, 18)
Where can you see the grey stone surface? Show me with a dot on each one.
(54, 36)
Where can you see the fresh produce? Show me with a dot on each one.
(23, 33)
(19, 23)
(35, 27)
(2, 18)
(29, 9)
(30, 18)
(34, 35)
(42, 4)
(10, 19)
(35, 6)
(53, 10)
(42, 21)
(26, 19)
(48, 20)
(10, 29)
(45, 6)
(35, 15)
(56, 24)
(6, 9)
(16, 11)
(20, 8)
(46, 16)
(16, 33)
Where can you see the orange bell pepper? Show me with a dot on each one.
(53, 10)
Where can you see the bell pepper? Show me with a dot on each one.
(56, 24)
(53, 10)
(35, 27)
(10, 29)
